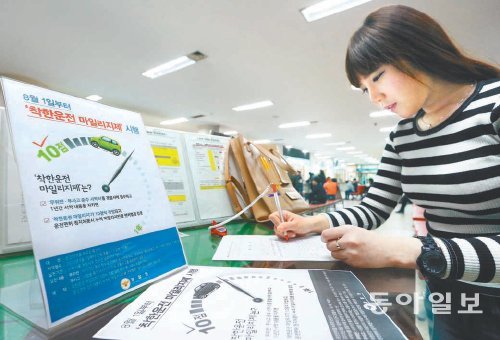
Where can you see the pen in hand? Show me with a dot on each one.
(278, 206)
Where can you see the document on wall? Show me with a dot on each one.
(247, 303)
(271, 248)
(14, 229)
(168, 151)
(99, 221)
(206, 158)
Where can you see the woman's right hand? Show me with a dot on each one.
(296, 225)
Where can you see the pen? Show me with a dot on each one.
(278, 206)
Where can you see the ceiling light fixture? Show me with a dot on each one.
(174, 121)
(174, 65)
(94, 97)
(318, 135)
(387, 129)
(253, 106)
(383, 113)
(262, 141)
(328, 7)
(294, 124)
(346, 148)
(335, 143)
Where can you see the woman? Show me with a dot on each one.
(444, 155)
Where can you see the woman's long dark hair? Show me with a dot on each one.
(410, 40)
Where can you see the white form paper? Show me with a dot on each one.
(271, 248)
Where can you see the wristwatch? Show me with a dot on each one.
(431, 261)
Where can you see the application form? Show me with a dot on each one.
(271, 248)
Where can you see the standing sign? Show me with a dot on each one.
(94, 198)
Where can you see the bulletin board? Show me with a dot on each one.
(192, 168)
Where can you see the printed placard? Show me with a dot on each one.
(94, 199)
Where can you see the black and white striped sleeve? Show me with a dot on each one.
(474, 259)
(382, 196)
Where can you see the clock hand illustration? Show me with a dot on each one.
(105, 187)
(255, 299)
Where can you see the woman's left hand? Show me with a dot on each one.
(363, 248)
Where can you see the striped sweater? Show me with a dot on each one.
(453, 171)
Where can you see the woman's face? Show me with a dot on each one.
(395, 91)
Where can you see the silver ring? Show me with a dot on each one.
(338, 244)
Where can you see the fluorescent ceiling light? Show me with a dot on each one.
(387, 129)
(335, 143)
(169, 67)
(354, 152)
(319, 135)
(328, 7)
(253, 106)
(345, 148)
(94, 97)
(288, 146)
(174, 121)
(231, 132)
(383, 113)
(262, 141)
(294, 124)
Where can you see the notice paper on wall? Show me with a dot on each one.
(94, 199)
(271, 248)
(175, 174)
(248, 303)
(206, 158)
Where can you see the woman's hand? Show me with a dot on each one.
(296, 225)
(363, 248)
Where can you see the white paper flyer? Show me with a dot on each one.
(248, 303)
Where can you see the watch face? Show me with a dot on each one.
(434, 262)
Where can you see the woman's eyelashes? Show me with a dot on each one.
(374, 79)
(377, 77)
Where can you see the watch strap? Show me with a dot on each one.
(428, 243)
(429, 246)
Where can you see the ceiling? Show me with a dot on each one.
(257, 50)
